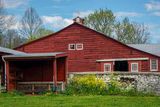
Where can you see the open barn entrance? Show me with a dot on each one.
(121, 66)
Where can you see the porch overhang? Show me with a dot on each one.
(122, 59)
(54, 63)
(29, 56)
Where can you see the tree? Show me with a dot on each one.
(44, 32)
(101, 20)
(30, 23)
(131, 33)
(141, 34)
(6, 23)
(12, 39)
(40, 33)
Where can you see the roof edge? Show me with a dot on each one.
(52, 34)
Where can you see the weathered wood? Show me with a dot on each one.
(37, 87)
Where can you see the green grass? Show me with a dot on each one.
(78, 101)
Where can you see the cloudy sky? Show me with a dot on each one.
(57, 14)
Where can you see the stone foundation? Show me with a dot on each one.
(146, 82)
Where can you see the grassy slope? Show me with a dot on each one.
(78, 101)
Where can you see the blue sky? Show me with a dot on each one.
(57, 14)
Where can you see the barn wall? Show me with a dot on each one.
(96, 46)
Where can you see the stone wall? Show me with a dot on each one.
(146, 82)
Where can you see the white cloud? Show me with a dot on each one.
(153, 5)
(56, 22)
(156, 13)
(16, 26)
(82, 13)
(127, 14)
(15, 3)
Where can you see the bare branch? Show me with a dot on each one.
(30, 23)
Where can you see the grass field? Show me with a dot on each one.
(78, 101)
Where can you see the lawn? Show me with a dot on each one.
(78, 101)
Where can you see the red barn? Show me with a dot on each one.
(86, 50)
(91, 51)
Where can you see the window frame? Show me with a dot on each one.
(106, 64)
(156, 65)
(135, 63)
(79, 44)
(69, 46)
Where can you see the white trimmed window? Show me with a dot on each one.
(107, 67)
(134, 67)
(71, 47)
(79, 46)
(154, 65)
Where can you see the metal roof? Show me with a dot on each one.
(149, 48)
(10, 51)
(29, 55)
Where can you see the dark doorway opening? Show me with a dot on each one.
(121, 66)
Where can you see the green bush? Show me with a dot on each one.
(86, 85)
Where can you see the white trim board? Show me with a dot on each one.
(122, 59)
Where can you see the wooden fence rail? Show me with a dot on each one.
(37, 87)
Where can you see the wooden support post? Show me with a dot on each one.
(33, 89)
(55, 74)
(7, 76)
(66, 69)
(49, 87)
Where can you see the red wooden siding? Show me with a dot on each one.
(33, 70)
(61, 69)
(95, 46)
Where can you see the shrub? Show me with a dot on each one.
(16, 93)
(86, 85)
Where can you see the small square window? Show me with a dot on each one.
(134, 67)
(107, 67)
(71, 47)
(79, 46)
